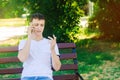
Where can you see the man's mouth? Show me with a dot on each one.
(37, 31)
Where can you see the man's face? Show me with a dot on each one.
(38, 26)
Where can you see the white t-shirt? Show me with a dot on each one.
(39, 61)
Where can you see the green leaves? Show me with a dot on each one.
(11, 8)
(61, 16)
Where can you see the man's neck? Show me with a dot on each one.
(37, 38)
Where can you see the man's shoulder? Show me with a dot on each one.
(46, 39)
(22, 41)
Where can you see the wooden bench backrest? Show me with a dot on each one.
(63, 56)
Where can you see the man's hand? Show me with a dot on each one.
(55, 59)
(30, 30)
(52, 42)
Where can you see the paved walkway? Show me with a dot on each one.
(8, 32)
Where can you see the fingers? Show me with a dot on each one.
(54, 38)
(31, 25)
(50, 38)
(52, 41)
(30, 29)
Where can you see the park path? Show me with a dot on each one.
(8, 32)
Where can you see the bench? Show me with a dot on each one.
(68, 56)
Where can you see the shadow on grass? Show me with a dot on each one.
(92, 54)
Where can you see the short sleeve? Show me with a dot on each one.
(21, 44)
(57, 50)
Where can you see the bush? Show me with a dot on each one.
(62, 16)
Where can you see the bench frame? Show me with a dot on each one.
(72, 55)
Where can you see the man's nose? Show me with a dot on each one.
(37, 27)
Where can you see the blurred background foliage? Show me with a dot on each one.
(98, 54)
(106, 18)
(11, 8)
(63, 17)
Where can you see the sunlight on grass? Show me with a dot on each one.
(82, 37)
(14, 41)
(10, 42)
(13, 22)
(80, 33)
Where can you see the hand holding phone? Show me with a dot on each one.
(30, 29)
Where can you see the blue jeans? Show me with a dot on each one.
(36, 78)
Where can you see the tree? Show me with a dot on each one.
(11, 8)
(62, 16)
(107, 18)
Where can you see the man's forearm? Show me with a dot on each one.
(55, 61)
(24, 53)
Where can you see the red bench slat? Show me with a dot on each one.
(15, 48)
(9, 59)
(68, 56)
(10, 71)
(60, 77)
(19, 70)
(66, 45)
(9, 49)
(69, 67)
(15, 59)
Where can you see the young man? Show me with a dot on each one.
(38, 54)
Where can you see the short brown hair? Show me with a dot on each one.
(37, 16)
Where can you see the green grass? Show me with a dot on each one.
(10, 54)
(99, 60)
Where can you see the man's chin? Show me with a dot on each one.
(38, 34)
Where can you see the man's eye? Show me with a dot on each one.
(42, 25)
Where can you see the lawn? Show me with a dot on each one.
(99, 60)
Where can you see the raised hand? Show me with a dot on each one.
(52, 42)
